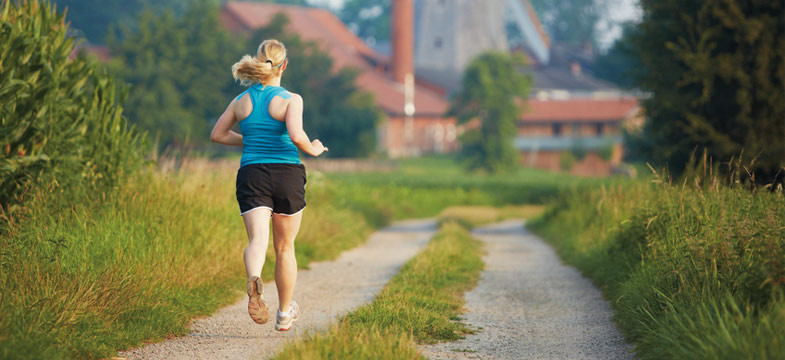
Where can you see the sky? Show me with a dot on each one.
(609, 29)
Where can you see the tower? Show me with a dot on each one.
(450, 33)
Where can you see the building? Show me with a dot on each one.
(449, 34)
(415, 110)
(572, 121)
(582, 136)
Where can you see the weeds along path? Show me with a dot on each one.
(528, 305)
(325, 292)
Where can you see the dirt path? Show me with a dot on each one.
(324, 292)
(528, 305)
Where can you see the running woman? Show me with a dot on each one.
(271, 179)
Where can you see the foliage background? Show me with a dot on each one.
(62, 126)
(491, 92)
(715, 72)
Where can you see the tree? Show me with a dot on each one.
(369, 19)
(573, 22)
(492, 90)
(61, 121)
(336, 111)
(179, 69)
(715, 70)
(619, 62)
(92, 17)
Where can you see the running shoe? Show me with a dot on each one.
(283, 321)
(256, 305)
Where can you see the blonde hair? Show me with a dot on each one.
(265, 66)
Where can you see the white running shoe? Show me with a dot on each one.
(283, 321)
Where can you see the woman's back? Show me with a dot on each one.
(265, 139)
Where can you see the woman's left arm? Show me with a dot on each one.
(222, 131)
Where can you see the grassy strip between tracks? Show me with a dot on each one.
(694, 272)
(420, 304)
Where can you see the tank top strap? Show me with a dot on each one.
(273, 91)
(263, 95)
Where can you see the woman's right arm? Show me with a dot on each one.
(222, 131)
(294, 125)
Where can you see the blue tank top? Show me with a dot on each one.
(266, 140)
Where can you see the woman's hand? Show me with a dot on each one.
(318, 147)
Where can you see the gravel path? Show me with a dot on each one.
(528, 305)
(325, 292)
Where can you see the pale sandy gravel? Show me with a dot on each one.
(528, 305)
(325, 292)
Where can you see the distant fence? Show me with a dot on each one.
(351, 165)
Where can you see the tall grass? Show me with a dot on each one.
(695, 270)
(86, 274)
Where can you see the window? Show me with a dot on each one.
(557, 129)
(437, 43)
(599, 127)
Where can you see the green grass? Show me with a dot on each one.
(425, 186)
(420, 304)
(473, 216)
(85, 275)
(693, 272)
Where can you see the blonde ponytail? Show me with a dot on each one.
(266, 65)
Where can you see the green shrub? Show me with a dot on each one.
(61, 122)
(567, 160)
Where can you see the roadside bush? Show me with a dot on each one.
(62, 126)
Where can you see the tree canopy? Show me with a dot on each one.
(715, 71)
(369, 19)
(492, 92)
(619, 62)
(179, 71)
(93, 19)
(573, 22)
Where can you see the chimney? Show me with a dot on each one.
(403, 39)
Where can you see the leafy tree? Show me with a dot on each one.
(92, 17)
(178, 67)
(336, 111)
(61, 123)
(492, 90)
(618, 64)
(573, 21)
(715, 70)
(286, 2)
(368, 18)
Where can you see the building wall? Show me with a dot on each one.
(591, 164)
(569, 129)
(426, 135)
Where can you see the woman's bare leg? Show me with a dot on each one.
(257, 225)
(285, 229)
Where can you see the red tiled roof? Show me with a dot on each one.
(583, 110)
(345, 48)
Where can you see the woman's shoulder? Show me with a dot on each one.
(285, 94)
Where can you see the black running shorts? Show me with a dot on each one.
(278, 187)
